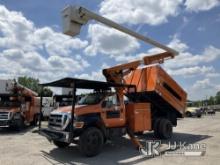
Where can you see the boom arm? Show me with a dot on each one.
(116, 74)
(76, 16)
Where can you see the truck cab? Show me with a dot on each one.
(16, 111)
(93, 107)
(100, 113)
(9, 106)
(18, 106)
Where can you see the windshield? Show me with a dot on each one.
(6, 102)
(91, 99)
(64, 101)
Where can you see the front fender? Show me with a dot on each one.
(92, 120)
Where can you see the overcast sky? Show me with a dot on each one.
(32, 43)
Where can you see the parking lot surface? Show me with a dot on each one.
(28, 147)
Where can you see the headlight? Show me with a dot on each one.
(66, 120)
(10, 115)
(17, 116)
(69, 115)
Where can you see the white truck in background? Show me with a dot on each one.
(47, 106)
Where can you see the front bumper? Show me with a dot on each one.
(5, 123)
(9, 123)
(53, 135)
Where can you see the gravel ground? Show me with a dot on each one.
(26, 147)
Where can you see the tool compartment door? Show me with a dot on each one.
(138, 116)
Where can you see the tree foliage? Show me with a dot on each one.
(212, 100)
(33, 84)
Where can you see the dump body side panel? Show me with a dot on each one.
(171, 91)
(154, 85)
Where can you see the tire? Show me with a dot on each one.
(188, 114)
(60, 144)
(199, 116)
(91, 142)
(20, 124)
(35, 120)
(165, 129)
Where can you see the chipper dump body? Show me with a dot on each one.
(155, 86)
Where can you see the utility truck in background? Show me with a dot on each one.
(154, 100)
(18, 105)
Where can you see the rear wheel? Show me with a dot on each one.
(165, 129)
(60, 144)
(91, 141)
(156, 127)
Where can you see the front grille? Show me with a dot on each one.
(4, 115)
(4, 123)
(58, 121)
(55, 120)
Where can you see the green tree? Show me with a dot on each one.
(211, 100)
(217, 98)
(47, 92)
(33, 84)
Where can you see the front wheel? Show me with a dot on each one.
(60, 144)
(91, 141)
(35, 120)
(19, 124)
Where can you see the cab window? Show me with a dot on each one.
(111, 101)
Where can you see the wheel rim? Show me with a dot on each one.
(92, 141)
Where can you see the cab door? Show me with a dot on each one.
(112, 111)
